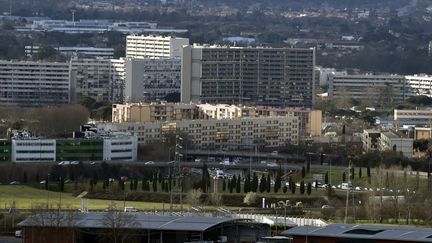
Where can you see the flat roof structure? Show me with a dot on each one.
(366, 233)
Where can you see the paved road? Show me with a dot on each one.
(10, 239)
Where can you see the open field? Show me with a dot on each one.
(27, 197)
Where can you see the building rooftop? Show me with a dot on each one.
(131, 221)
(359, 231)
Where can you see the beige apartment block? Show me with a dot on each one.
(263, 131)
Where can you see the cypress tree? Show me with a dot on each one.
(254, 184)
(293, 188)
(309, 188)
(246, 187)
(302, 187)
(368, 171)
(230, 184)
(343, 176)
(268, 183)
(285, 189)
(303, 172)
(360, 172)
(238, 187)
(223, 185)
(263, 184)
(326, 179)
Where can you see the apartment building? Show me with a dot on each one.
(117, 78)
(154, 46)
(419, 84)
(90, 77)
(79, 51)
(120, 147)
(34, 83)
(151, 79)
(412, 117)
(390, 141)
(208, 134)
(370, 139)
(245, 75)
(369, 87)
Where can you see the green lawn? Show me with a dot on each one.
(27, 197)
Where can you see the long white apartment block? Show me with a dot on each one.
(263, 131)
(366, 87)
(154, 46)
(420, 84)
(86, 51)
(90, 77)
(34, 83)
(151, 79)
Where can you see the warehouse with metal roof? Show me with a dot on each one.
(343, 233)
(73, 227)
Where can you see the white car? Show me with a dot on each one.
(149, 163)
(272, 164)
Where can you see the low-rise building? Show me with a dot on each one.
(390, 141)
(120, 147)
(80, 51)
(310, 121)
(33, 150)
(412, 117)
(422, 133)
(370, 139)
(263, 131)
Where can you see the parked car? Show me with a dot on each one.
(149, 163)
(19, 234)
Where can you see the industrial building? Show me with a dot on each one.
(353, 233)
(250, 76)
(114, 226)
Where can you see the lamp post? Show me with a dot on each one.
(179, 147)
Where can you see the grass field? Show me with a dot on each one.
(27, 197)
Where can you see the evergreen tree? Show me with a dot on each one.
(268, 183)
(293, 188)
(238, 186)
(326, 179)
(254, 184)
(368, 171)
(131, 185)
(160, 177)
(302, 187)
(121, 184)
(316, 184)
(154, 183)
(223, 185)
(290, 182)
(205, 179)
(360, 172)
(352, 173)
(25, 177)
(170, 180)
(246, 186)
(285, 189)
(309, 188)
(263, 184)
(104, 185)
(230, 184)
(46, 183)
(61, 184)
(278, 180)
(343, 176)
(303, 172)
(143, 183)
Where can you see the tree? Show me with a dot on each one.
(254, 184)
(118, 224)
(46, 52)
(308, 167)
(316, 184)
(309, 188)
(154, 184)
(250, 198)
(302, 187)
(293, 188)
(343, 176)
(285, 189)
(238, 186)
(278, 180)
(368, 171)
(326, 178)
(352, 173)
(223, 185)
(263, 184)
(205, 179)
(268, 183)
(303, 172)
(360, 172)
(246, 186)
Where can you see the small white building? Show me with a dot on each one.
(120, 147)
(390, 141)
(33, 150)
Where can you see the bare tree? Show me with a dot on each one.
(118, 224)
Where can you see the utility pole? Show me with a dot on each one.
(347, 194)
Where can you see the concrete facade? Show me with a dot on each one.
(151, 79)
(390, 141)
(250, 76)
(154, 46)
(370, 139)
(34, 83)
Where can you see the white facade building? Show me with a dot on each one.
(419, 84)
(368, 87)
(151, 79)
(79, 51)
(34, 83)
(33, 150)
(412, 117)
(154, 46)
(117, 79)
(390, 141)
(120, 148)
